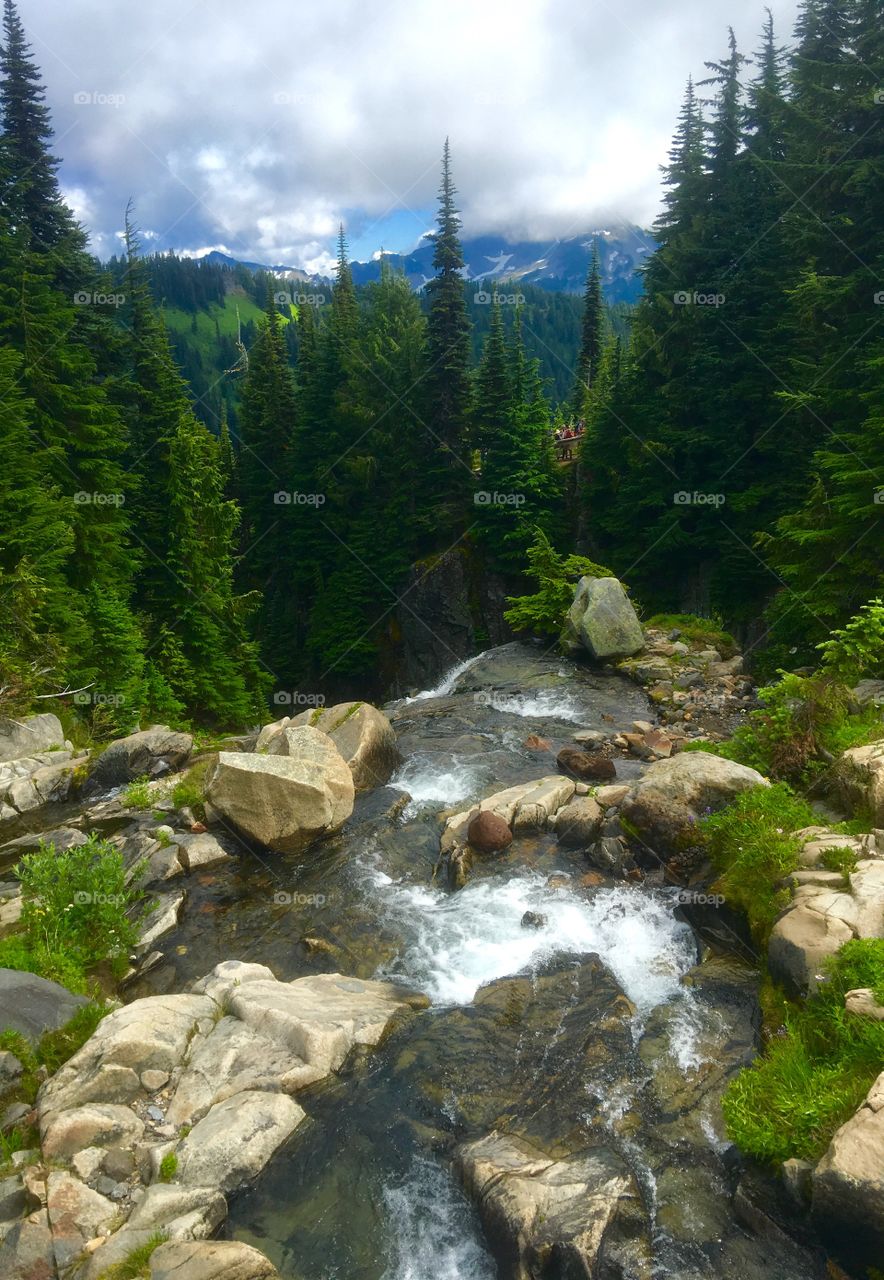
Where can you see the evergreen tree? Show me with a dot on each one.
(447, 475)
(29, 190)
(593, 337)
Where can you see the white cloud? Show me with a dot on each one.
(559, 112)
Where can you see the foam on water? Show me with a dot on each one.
(435, 780)
(429, 1219)
(457, 942)
(545, 704)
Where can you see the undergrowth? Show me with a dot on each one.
(816, 1071)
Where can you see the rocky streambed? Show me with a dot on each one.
(539, 1098)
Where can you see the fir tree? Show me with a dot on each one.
(447, 475)
(593, 337)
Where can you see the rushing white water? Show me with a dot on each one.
(427, 1215)
(544, 704)
(446, 684)
(459, 941)
(435, 780)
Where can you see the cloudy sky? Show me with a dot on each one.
(257, 127)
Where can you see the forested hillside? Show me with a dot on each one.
(216, 487)
(736, 461)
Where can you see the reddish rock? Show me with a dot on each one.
(488, 833)
(592, 879)
(583, 765)
(535, 743)
(197, 828)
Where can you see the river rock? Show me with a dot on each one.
(364, 737)
(152, 752)
(234, 1141)
(21, 738)
(582, 764)
(848, 1186)
(33, 1005)
(182, 1214)
(577, 823)
(602, 621)
(525, 807)
(26, 1253)
(210, 1260)
(544, 1216)
(673, 794)
(97, 1124)
(76, 1214)
(489, 833)
(201, 850)
(286, 800)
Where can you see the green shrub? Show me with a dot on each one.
(189, 791)
(857, 649)
(804, 722)
(839, 858)
(138, 794)
(556, 576)
(135, 1265)
(816, 1073)
(79, 910)
(168, 1166)
(752, 846)
(705, 631)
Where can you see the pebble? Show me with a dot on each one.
(156, 1114)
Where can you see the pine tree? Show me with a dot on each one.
(448, 473)
(593, 337)
(29, 190)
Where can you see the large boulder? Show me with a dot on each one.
(544, 1216)
(151, 752)
(860, 773)
(800, 942)
(27, 737)
(848, 1186)
(32, 1005)
(235, 1139)
(287, 799)
(673, 794)
(362, 734)
(602, 621)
